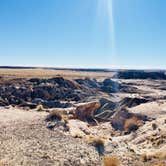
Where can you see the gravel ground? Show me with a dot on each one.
(24, 140)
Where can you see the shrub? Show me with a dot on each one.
(98, 143)
(132, 127)
(159, 164)
(154, 126)
(160, 154)
(40, 108)
(110, 161)
(78, 135)
(56, 115)
(144, 157)
(131, 124)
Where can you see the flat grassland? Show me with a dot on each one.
(49, 73)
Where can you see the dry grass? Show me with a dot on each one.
(49, 73)
(78, 135)
(97, 142)
(132, 124)
(158, 154)
(144, 157)
(159, 164)
(154, 126)
(110, 161)
(40, 108)
(57, 115)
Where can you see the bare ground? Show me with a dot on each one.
(24, 140)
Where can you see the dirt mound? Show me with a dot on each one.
(121, 117)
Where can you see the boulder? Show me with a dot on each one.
(106, 109)
(84, 111)
(78, 128)
(110, 86)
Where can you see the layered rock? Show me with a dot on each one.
(85, 111)
(54, 92)
(125, 120)
(133, 74)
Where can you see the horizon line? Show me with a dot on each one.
(108, 69)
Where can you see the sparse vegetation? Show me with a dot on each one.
(56, 115)
(111, 161)
(159, 154)
(159, 164)
(158, 140)
(40, 108)
(131, 124)
(154, 126)
(97, 142)
(59, 98)
(49, 73)
(144, 157)
(78, 135)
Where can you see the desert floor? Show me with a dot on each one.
(123, 119)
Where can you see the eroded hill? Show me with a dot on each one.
(77, 121)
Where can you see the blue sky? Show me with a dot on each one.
(77, 33)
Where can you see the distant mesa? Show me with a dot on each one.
(135, 74)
